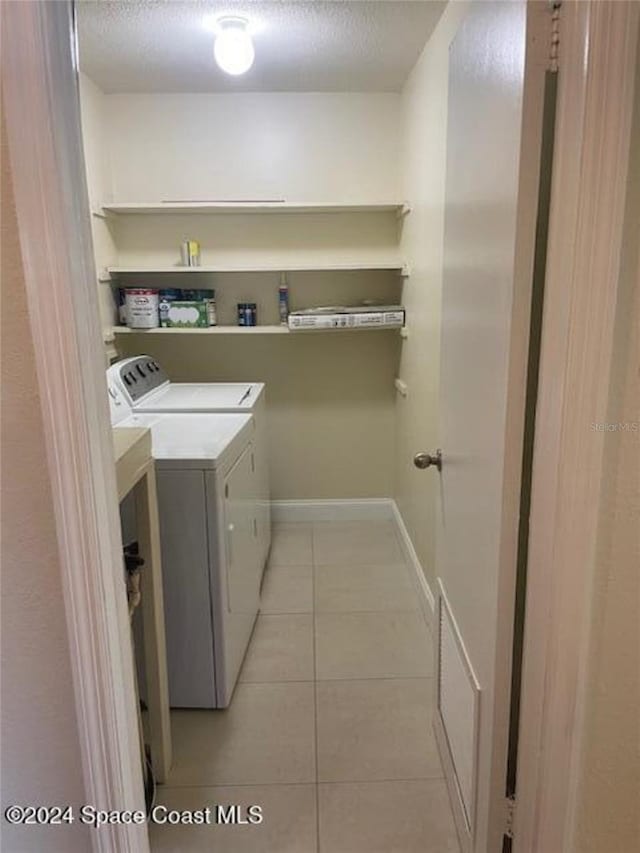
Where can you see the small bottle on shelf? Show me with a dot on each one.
(190, 253)
(209, 299)
(283, 300)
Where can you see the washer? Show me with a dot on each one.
(146, 388)
(206, 484)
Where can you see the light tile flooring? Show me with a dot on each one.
(329, 729)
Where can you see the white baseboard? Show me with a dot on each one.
(365, 509)
(427, 601)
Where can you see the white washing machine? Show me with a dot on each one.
(206, 483)
(147, 388)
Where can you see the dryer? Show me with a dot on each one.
(206, 484)
(146, 388)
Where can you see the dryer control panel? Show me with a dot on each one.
(137, 376)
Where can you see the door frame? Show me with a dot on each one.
(597, 50)
(39, 69)
(590, 167)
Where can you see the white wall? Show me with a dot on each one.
(424, 135)
(608, 814)
(296, 146)
(40, 748)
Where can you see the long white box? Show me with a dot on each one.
(347, 320)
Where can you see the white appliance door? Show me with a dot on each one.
(239, 547)
(242, 535)
(485, 319)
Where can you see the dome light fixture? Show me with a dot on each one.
(233, 48)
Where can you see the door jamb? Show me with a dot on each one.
(595, 91)
(41, 107)
(595, 96)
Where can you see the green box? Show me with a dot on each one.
(186, 314)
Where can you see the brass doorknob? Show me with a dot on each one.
(426, 460)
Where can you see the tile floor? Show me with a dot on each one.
(329, 728)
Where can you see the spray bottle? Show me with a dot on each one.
(283, 299)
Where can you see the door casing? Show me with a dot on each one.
(597, 58)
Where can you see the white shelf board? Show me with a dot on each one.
(243, 330)
(391, 264)
(229, 207)
(210, 330)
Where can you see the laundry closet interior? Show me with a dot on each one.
(297, 536)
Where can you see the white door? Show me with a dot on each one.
(491, 202)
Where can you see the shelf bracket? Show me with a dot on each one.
(403, 210)
(100, 213)
(401, 387)
(405, 271)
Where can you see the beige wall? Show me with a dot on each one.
(331, 396)
(98, 169)
(330, 400)
(424, 126)
(298, 146)
(608, 814)
(40, 750)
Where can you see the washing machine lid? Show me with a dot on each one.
(194, 441)
(201, 397)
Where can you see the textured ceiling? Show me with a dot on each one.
(339, 46)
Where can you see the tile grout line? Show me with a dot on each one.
(340, 680)
(337, 612)
(382, 781)
(315, 683)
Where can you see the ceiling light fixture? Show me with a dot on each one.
(233, 47)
